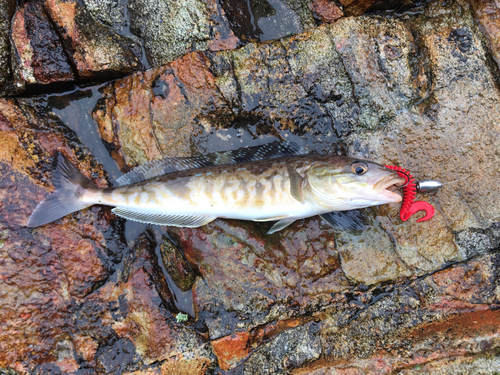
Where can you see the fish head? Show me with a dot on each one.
(344, 183)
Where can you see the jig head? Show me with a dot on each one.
(409, 206)
(428, 185)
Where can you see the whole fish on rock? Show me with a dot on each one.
(272, 182)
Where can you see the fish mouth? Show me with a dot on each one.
(388, 186)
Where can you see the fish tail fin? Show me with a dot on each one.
(69, 183)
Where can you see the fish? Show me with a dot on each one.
(272, 182)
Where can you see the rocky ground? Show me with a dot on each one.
(113, 84)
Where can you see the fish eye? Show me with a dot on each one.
(359, 167)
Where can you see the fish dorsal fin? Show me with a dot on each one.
(160, 167)
(191, 221)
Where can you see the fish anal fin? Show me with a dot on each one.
(191, 221)
(296, 184)
(282, 224)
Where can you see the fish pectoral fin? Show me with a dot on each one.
(190, 221)
(352, 220)
(282, 224)
(296, 184)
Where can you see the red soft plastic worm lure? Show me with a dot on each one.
(409, 207)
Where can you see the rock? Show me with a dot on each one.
(38, 274)
(176, 265)
(370, 256)
(418, 326)
(260, 279)
(142, 303)
(376, 54)
(7, 9)
(175, 95)
(325, 11)
(289, 350)
(172, 28)
(487, 13)
(452, 122)
(95, 50)
(38, 56)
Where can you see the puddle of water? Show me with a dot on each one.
(261, 20)
(74, 108)
(282, 23)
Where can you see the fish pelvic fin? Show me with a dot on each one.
(69, 183)
(282, 224)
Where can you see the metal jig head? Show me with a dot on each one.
(428, 185)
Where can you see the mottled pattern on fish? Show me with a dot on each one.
(239, 191)
(235, 184)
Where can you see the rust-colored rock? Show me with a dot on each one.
(231, 350)
(95, 50)
(158, 119)
(36, 286)
(326, 11)
(38, 56)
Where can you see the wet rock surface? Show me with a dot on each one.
(7, 9)
(39, 56)
(92, 293)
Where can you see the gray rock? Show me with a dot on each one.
(7, 9)
(472, 242)
(172, 28)
(288, 350)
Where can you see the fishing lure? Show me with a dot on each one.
(409, 207)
